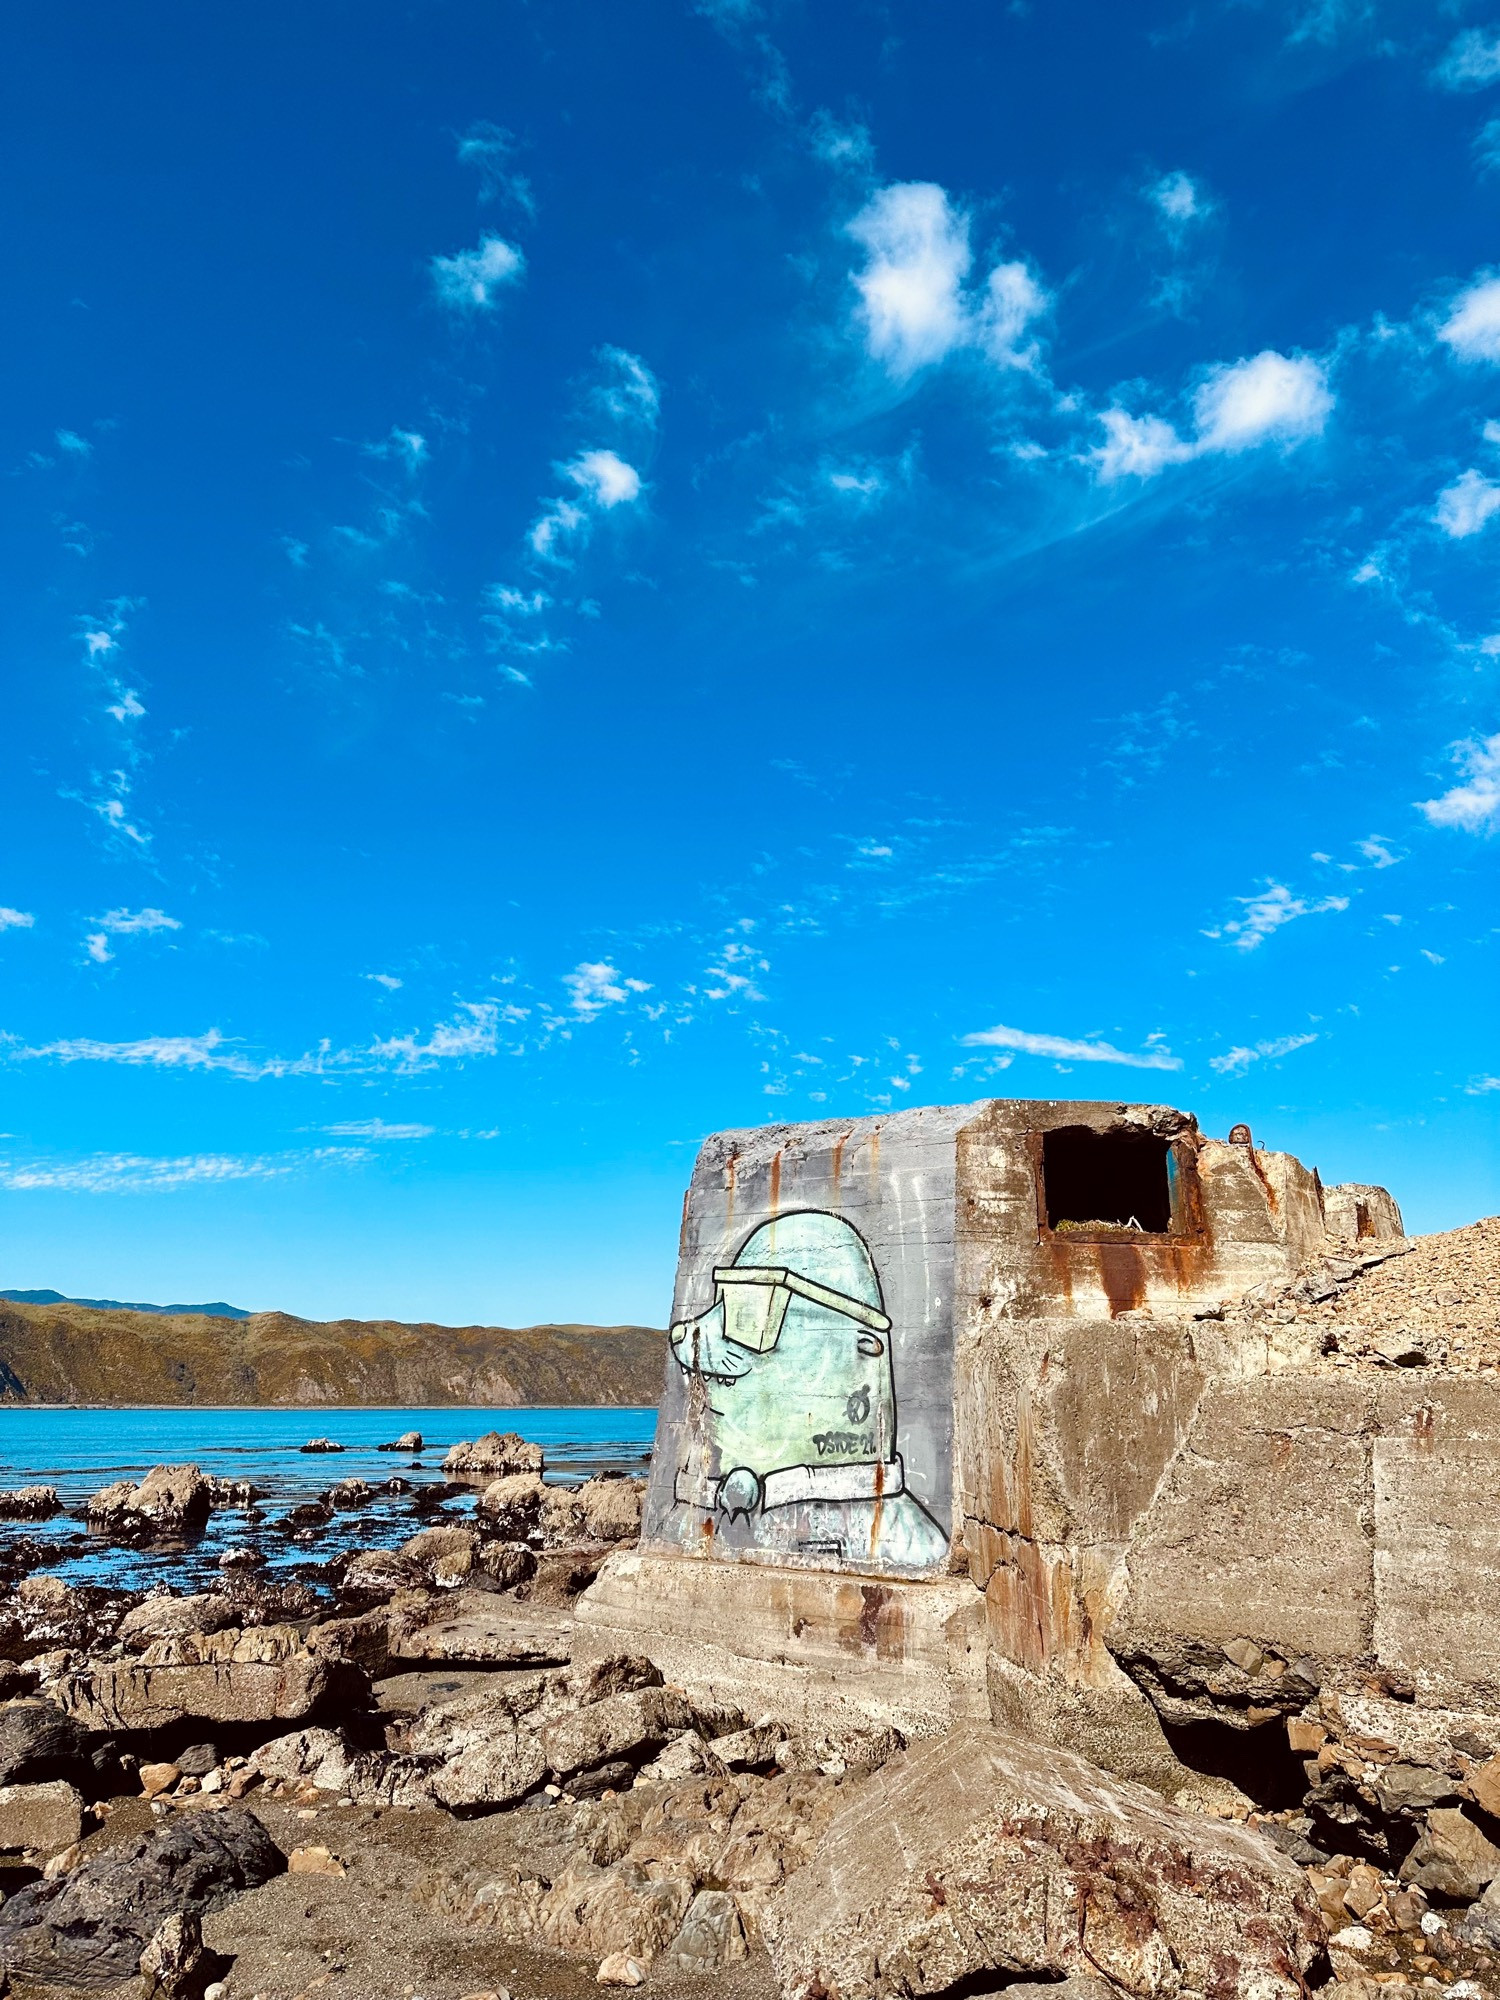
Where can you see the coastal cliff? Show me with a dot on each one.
(73, 1354)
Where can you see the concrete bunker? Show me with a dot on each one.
(961, 1418)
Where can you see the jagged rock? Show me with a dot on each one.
(560, 1576)
(984, 1853)
(612, 1508)
(712, 1935)
(29, 1503)
(263, 1675)
(176, 1965)
(505, 1564)
(231, 1492)
(408, 1441)
(46, 1817)
(631, 1725)
(618, 1968)
(166, 1617)
(363, 1642)
(89, 1928)
(845, 1747)
(170, 1503)
(753, 1749)
(375, 1575)
(320, 1444)
(1452, 1858)
(561, 1517)
(312, 1756)
(37, 1741)
(512, 1506)
(493, 1456)
(444, 1557)
(479, 1626)
(347, 1496)
(1191, 1680)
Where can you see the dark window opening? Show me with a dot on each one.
(1106, 1180)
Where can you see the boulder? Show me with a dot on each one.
(307, 1756)
(631, 1725)
(983, 1854)
(711, 1937)
(612, 1508)
(264, 1675)
(561, 1518)
(347, 1496)
(46, 1817)
(505, 1564)
(320, 1444)
(408, 1441)
(1452, 1859)
(29, 1503)
(170, 1503)
(89, 1928)
(375, 1575)
(167, 1617)
(38, 1741)
(493, 1456)
(511, 1507)
(478, 1626)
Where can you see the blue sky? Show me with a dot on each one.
(578, 575)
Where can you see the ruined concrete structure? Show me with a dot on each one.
(954, 1425)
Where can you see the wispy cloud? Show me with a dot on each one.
(125, 923)
(1237, 1060)
(377, 1128)
(489, 150)
(471, 281)
(135, 1173)
(15, 920)
(1178, 200)
(1061, 1048)
(1267, 910)
(1474, 805)
(386, 979)
(473, 1031)
(1470, 62)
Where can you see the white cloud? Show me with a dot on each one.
(15, 920)
(558, 519)
(96, 944)
(1137, 447)
(377, 1128)
(1472, 328)
(1472, 61)
(473, 1031)
(76, 446)
(917, 247)
(470, 280)
(1061, 1049)
(1270, 398)
(1481, 1086)
(1472, 807)
(1267, 910)
(386, 979)
(1179, 199)
(594, 986)
(1378, 852)
(124, 923)
(526, 604)
(1013, 300)
(207, 1051)
(846, 146)
(632, 392)
(127, 705)
(488, 148)
(1238, 1060)
(605, 478)
(134, 1173)
(1464, 507)
(410, 447)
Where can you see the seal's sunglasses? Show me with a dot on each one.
(755, 1300)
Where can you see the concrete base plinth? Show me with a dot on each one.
(805, 1644)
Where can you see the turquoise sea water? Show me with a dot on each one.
(78, 1451)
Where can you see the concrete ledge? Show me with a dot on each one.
(811, 1646)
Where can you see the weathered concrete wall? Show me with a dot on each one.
(827, 1439)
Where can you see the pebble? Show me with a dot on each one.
(620, 1969)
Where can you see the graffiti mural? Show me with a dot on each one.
(791, 1438)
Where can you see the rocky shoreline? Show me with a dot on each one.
(386, 1775)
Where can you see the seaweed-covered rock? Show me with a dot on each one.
(493, 1456)
(169, 1504)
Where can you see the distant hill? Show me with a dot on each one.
(63, 1352)
(218, 1310)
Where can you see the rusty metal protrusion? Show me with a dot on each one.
(1239, 1135)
